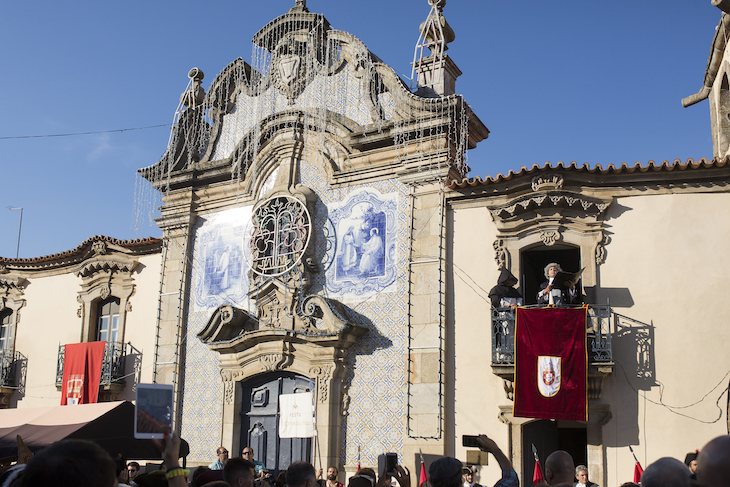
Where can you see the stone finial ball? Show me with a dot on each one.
(196, 74)
(440, 4)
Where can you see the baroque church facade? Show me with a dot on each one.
(320, 234)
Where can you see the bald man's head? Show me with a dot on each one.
(666, 472)
(559, 468)
(713, 462)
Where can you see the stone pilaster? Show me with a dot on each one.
(177, 224)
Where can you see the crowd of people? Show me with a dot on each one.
(71, 463)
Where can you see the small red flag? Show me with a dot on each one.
(537, 476)
(422, 479)
(637, 472)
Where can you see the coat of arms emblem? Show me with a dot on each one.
(548, 376)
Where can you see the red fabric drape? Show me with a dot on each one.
(422, 479)
(82, 373)
(537, 476)
(638, 471)
(551, 364)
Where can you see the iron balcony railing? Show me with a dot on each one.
(10, 360)
(599, 329)
(112, 367)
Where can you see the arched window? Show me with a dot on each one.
(107, 320)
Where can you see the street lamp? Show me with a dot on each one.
(20, 226)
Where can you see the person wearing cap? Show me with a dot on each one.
(550, 295)
(467, 474)
(691, 461)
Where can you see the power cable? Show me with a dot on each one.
(82, 133)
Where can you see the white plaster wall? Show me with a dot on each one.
(670, 252)
(47, 320)
(477, 391)
(140, 329)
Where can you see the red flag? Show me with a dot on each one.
(82, 373)
(422, 479)
(551, 364)
(537, 476)
(638, 471)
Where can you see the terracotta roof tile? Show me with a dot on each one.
(624, 168)
(82, 248)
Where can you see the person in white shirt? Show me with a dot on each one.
(548, 294)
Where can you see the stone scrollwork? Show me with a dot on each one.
(509, 389)
(601, 250)
(227, 386)
(345, 400)
(270, 362)
(500, 253)
(323, 375)
(547, 181)
(99, 247)
(549, 237)
(105, 291)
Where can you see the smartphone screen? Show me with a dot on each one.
(153, 410)
(469, 441)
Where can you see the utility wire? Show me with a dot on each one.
(82, 133)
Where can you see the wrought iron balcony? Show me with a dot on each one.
(11, 362)
(599, 329)
(112, 367)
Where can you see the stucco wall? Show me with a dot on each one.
(477, 392)
(666, 276)
(49, 319)
(669, 252)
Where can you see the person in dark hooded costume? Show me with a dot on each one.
(505, 298)
(504, 294)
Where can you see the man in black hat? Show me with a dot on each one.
(691, 461)
(467, 473)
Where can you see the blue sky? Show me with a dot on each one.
(553, 81)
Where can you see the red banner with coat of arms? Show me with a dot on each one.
(82, 373)
(551, 364)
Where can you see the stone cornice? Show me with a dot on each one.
(94, 246)
(549, 199)
(106, 263)
(704, 174)
(13, 282)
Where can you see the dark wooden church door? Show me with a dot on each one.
(260, 421)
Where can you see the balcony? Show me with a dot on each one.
(113, 368)
(599, 329)
(13, 366)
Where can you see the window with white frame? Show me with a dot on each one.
(6, 330)
(107, 320)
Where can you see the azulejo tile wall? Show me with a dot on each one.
(377, 373)
(376, 296)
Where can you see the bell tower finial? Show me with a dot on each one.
(300, 3)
